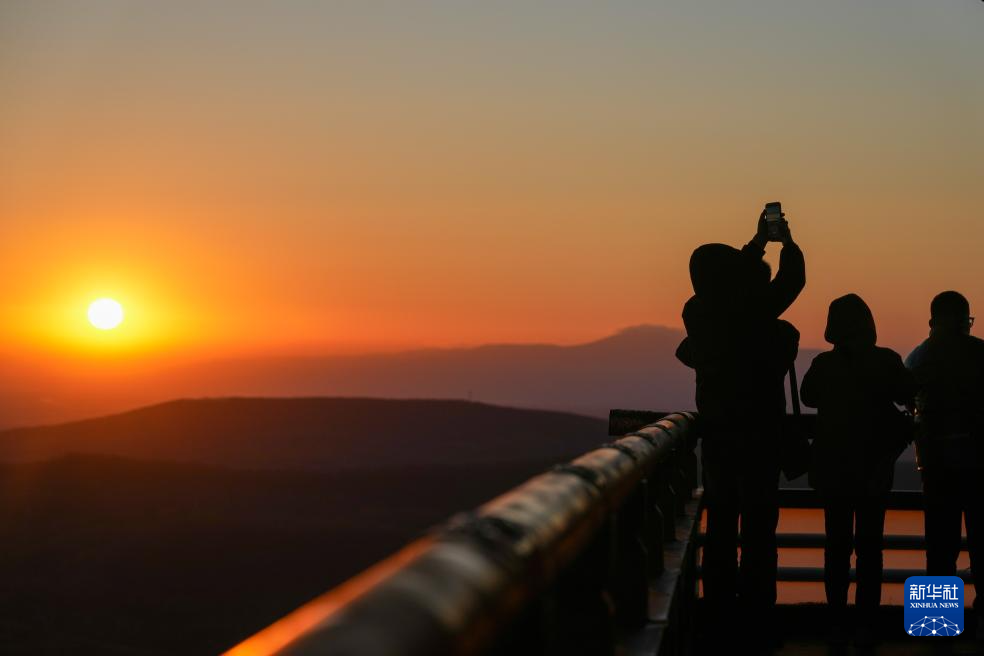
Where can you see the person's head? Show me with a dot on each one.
(950, 312)
(758, 273)
(714, 271)
(850, 323)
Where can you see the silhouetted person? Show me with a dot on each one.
(741, 352)
(859, 437)
(949, 371)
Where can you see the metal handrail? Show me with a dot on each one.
(891, 542)
(571, 555)
(897, 500)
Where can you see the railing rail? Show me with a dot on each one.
(596, 553)
(897, 500)
(595, 556)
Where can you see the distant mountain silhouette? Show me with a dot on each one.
(316, 433)
(634, 368)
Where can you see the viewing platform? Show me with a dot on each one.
(596, 556)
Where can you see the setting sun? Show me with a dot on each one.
(105, 313)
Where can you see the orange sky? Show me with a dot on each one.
(249, 180)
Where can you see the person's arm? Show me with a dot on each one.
(902, 382)
(791, 277)
(789, 280)
(912, 364)
(755, 248)
(695, 327)
(685, 353)
(812, 386)
(979, 391)
(785, 346)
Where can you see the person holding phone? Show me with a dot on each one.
(741, 352)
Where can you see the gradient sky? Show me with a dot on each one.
(258, 177)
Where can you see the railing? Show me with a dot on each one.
(897, 500)
(594, 556)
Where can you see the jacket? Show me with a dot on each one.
(735, 342)
(949, 374)
(860, 433)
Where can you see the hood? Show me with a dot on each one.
(850, 322)
(714, 270)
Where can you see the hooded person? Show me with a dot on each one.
(740, 352)
(860, 433)
(854, 388)
(735, 342)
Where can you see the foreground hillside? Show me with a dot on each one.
(315, 433)
(121, 535)
(108, 556)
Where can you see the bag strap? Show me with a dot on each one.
(794, 394)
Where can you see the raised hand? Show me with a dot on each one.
(761, 237)
(787, 235)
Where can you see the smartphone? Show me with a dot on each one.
(774, 221)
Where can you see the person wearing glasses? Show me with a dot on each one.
(949, 372)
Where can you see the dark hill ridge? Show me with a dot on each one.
(316, 433)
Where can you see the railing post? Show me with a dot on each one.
(630, 571)
(585, 617)
(653, 529)
(666, 500)
(680, 485)
(691, 471)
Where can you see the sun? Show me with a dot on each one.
(105, 313)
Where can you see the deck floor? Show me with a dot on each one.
(804, 632)
(893, 647)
